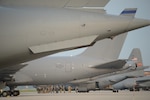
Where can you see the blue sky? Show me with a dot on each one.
(139, 38)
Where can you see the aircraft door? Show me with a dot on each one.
(68, 68)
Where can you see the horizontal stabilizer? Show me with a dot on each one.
(61, 45)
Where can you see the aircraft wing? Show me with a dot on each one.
(67, 44)
(81, 81)
(53, 3)
(5, 73)
(143, 80)
(111, 65)
(117, 64)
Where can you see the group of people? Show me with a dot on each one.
(55, 89)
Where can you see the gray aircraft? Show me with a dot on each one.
(143, 82)
(36, 28)
(133, 84)
(107, 80)
(99, 59)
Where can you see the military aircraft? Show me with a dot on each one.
(105, 81)
(36, 28)
(143, 82)
(101, 58)
(133, 84)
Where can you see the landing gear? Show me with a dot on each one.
(15, 93)
(11, 92)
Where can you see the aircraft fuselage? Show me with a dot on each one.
(59, 70)
(23, 28)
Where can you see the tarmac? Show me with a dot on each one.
(93, 95)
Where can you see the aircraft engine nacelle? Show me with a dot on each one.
(2, 85)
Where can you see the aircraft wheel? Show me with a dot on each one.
(15, 93)
(5, 94)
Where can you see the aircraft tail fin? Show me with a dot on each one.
(106, 49)
(109, 48)
(129, 12)
(136, 57)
